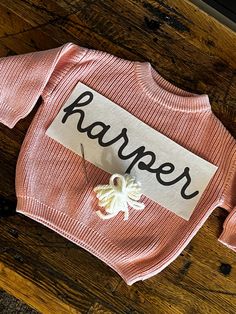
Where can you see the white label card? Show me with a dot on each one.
(118, 142)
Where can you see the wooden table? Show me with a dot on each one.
(191, 50)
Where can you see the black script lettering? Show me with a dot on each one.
(139, 153)
(160, 170)
(70, 109)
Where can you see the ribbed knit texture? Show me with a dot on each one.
(51, 186)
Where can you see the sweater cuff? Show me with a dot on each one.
(228, 235)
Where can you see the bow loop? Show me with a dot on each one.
(118, 194)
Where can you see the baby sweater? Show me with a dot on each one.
(55, 185)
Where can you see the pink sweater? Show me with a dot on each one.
(50, 178)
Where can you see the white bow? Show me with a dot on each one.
(117, 195)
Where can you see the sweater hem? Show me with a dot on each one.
(78, 233)
(94, 242)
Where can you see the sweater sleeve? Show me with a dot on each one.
(228, 234)
(26, 77)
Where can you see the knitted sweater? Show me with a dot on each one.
(55, 184)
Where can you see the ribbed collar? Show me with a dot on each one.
(167, 94)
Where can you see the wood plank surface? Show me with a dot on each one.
(190, 49)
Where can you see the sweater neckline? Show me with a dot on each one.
(162, 91)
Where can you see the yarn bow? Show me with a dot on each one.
(118, 194)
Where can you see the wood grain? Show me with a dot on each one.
(190, 49)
